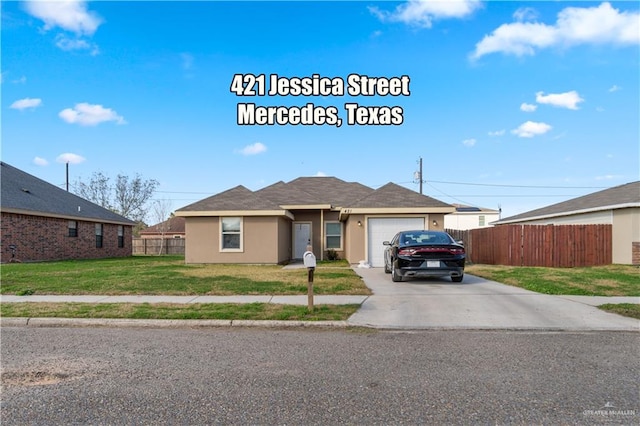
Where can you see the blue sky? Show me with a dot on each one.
(511, 104)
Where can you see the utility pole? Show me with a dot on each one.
(418, 175)
(67, 176)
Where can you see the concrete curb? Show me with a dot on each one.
(161, 323)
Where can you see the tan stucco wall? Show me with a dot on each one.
(439, 218)
(355, 237)
(625, 231)
(260, 238)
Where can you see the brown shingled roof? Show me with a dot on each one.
(173, 225)
(393, 195)
(314, 191)
(330, 190)
(285, 194)
(623, 195)
(238, 198)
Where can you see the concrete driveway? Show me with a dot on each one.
(475, 303)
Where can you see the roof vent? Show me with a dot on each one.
(26, 190)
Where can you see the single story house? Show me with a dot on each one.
(170, 228)
(277, 223)
(43, 222)
(468, 217)
(618, 206)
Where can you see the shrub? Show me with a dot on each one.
(332, 255)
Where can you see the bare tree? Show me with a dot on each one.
(127, 197)
(161, 213)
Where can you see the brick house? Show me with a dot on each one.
(43, 222)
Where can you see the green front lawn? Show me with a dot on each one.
(610, 280)
(168, 275)
(223, 311)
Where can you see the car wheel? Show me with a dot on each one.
(386, 268)
(457, 279)
(395, 276)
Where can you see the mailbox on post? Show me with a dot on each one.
(309, 260)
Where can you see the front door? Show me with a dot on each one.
(301, 238)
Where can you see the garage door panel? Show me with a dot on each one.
(383, 229)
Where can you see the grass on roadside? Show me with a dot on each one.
(226, 311)
(627, 309)
(169, 275)
(610, 280)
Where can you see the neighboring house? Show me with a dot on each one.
(467, 217)
(43, 222)
(170, 228)
(276, 223)
(618, 206)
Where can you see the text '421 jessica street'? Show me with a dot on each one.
(322, 87)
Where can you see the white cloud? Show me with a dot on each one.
(86, 114)
(39, 161)
(497, 133)
(423, 13)
(70, 158)
(67, 44)
(528, 107)
(525, 14)
(531, 129)
(609, 177)
(21, 80)
(614, 88)
(320, 174)
(253, 149)
(594, 25)
(70, 15)
(568, 100)
(469, 142)
(26, 103)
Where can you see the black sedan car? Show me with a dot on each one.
(424, 254)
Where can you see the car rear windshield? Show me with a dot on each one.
(424, 238)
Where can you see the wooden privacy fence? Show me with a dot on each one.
(158, 246)
(560, 246)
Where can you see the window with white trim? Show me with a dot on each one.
(231, 234)
(481, 220)
(333, 235)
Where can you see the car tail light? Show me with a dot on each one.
(406, 252)
(412, 251)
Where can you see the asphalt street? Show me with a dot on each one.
(136, 376)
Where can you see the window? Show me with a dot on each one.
(333, 235)
(481, 220)
(120, 236)
(231, 234)
(98, 235)
(73, 228)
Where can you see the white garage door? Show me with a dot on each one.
(383, 229)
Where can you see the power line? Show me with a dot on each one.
(520, 186)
